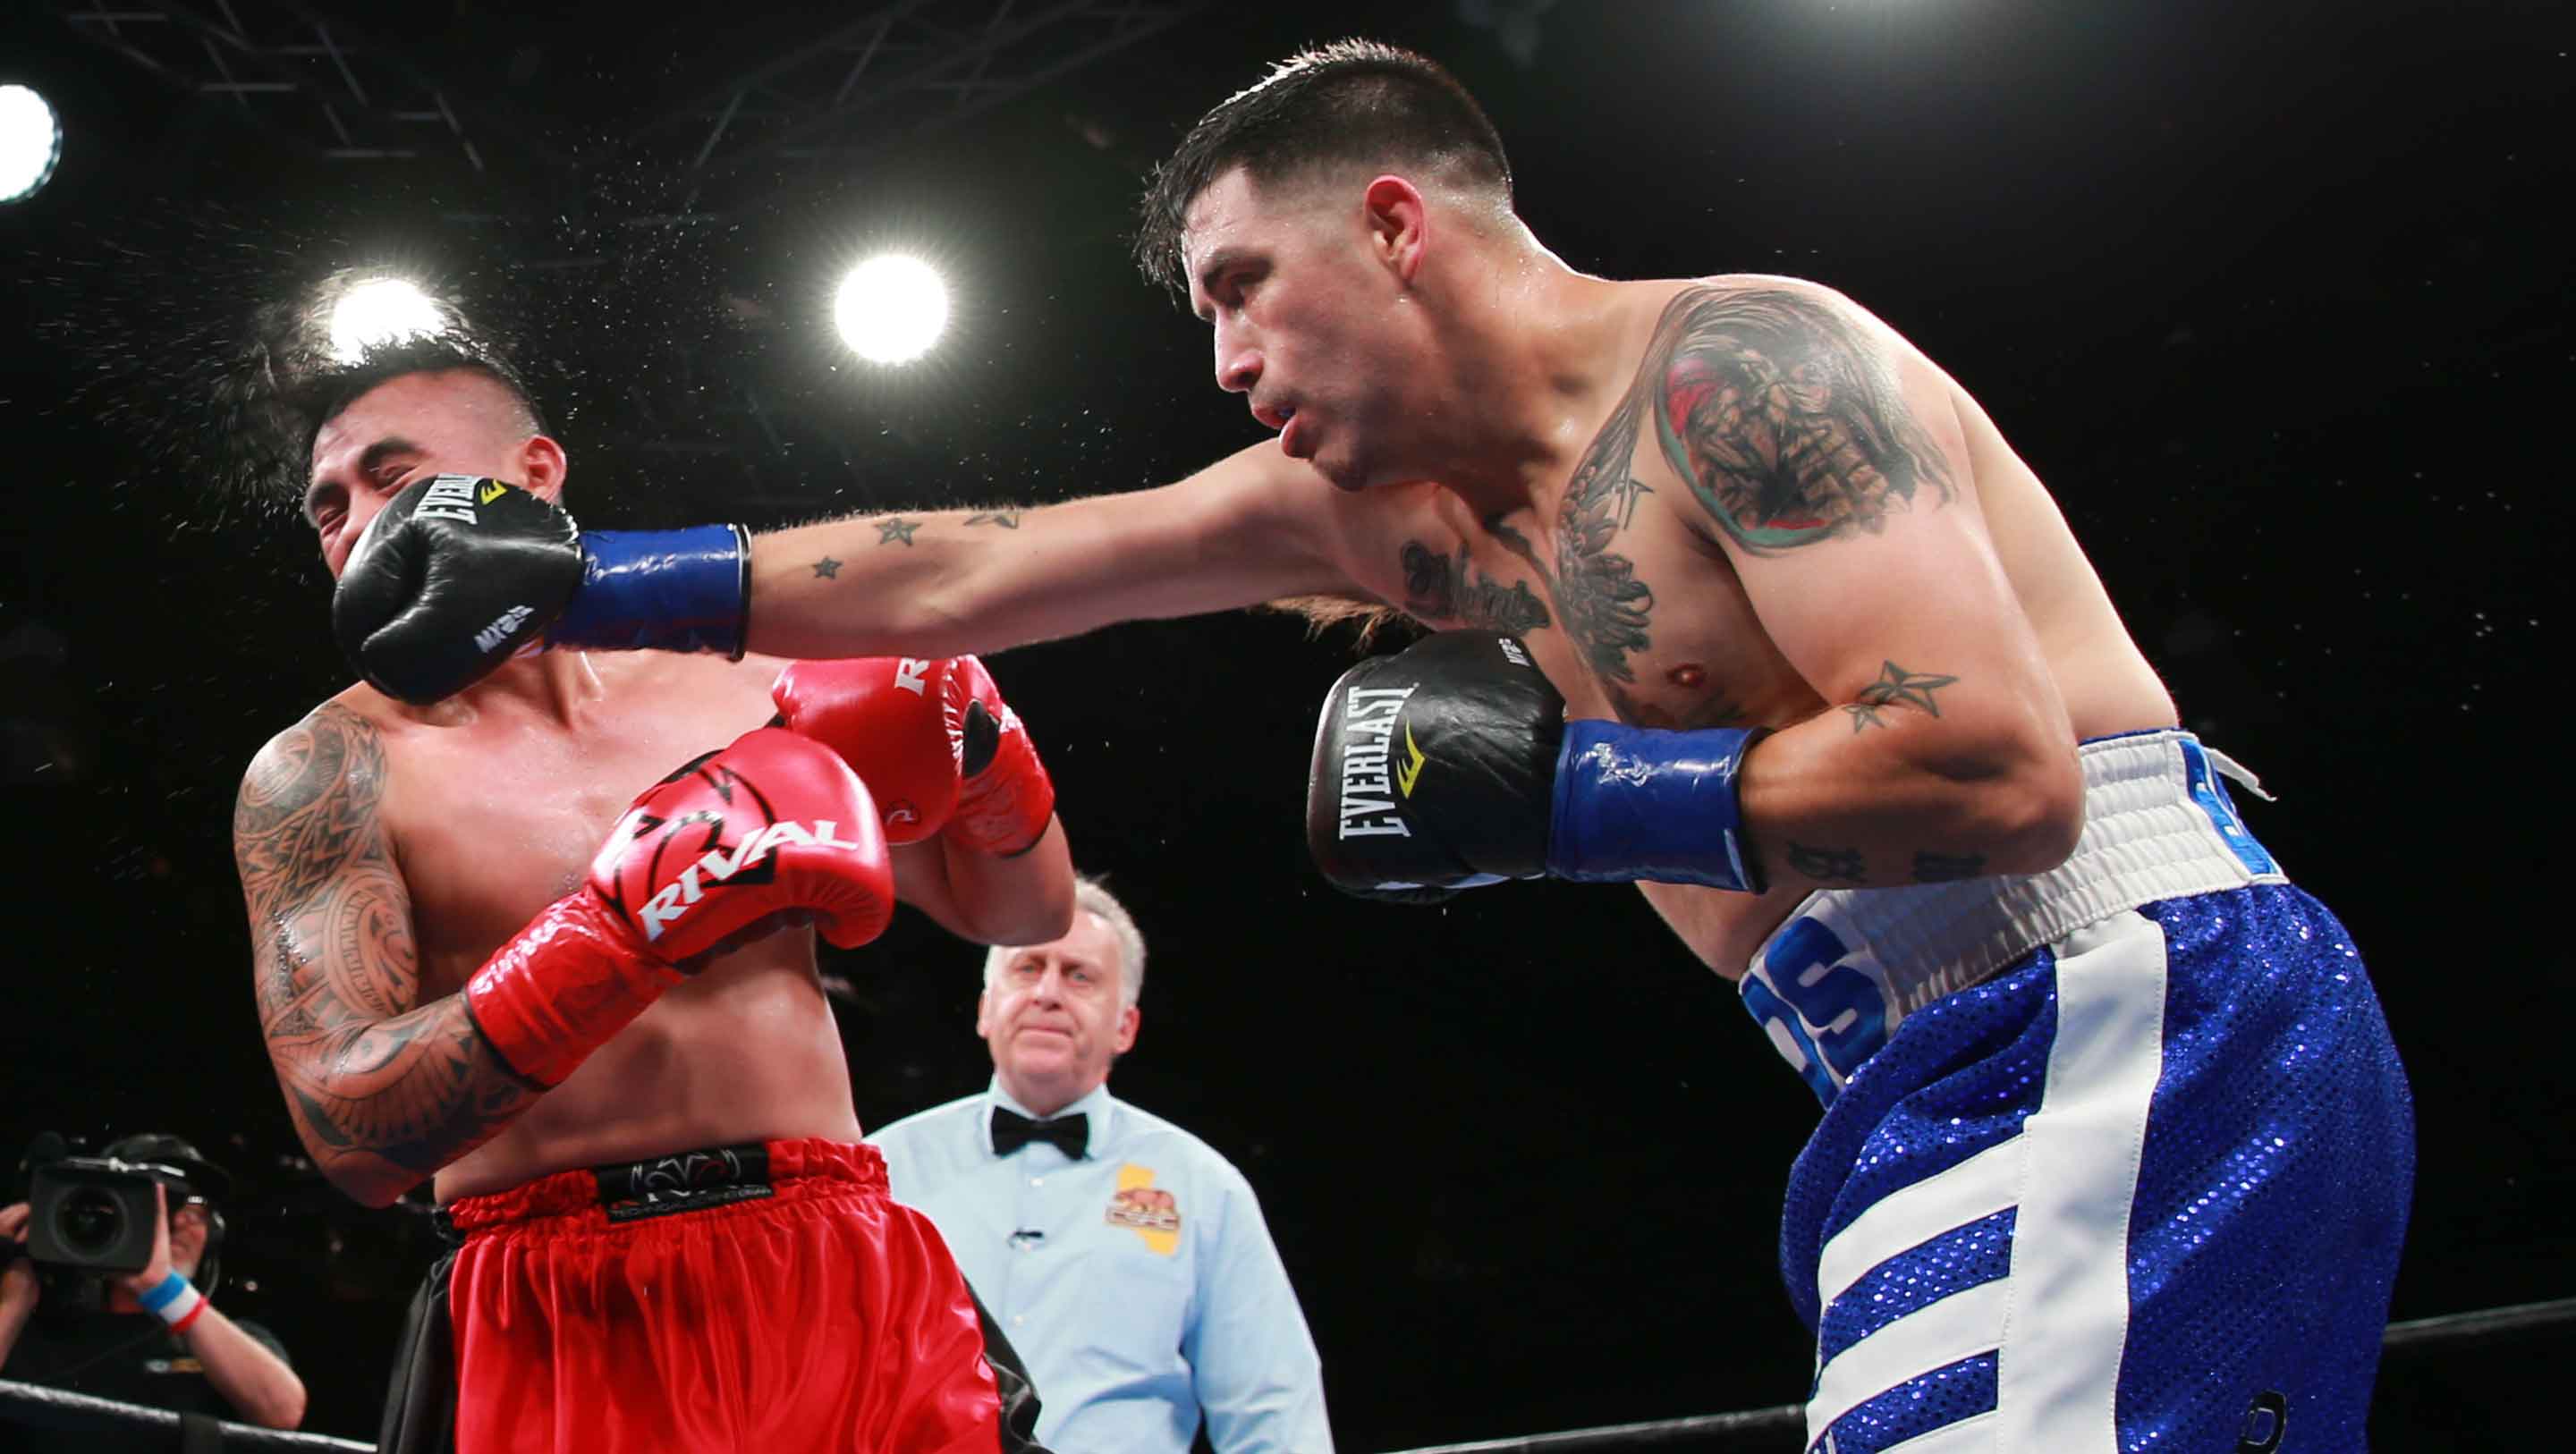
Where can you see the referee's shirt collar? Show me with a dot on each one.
(1097, 1106)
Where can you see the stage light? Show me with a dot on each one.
(891, 309)
(31, 141)
(380, 311)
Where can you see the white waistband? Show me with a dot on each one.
(2157, 825)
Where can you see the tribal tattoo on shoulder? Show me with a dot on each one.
(377, 1083)
(1786, 420)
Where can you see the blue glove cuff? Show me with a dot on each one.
(660, 590)
(1641, 803)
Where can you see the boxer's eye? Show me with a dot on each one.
(325, 508)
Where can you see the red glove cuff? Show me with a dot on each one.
(562, 986)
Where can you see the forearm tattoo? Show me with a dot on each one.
(895, 530)
(1786, 420)
(1006, 519)
(1942, 868)
(1827, 865)
(379, 1086)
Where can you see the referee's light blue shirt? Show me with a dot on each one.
(1139, 1284)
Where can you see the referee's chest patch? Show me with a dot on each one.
(1149, 1211)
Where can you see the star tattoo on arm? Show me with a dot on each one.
(1900, 685)
(896, 530)
(827, 568)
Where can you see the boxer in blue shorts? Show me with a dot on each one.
(1741, 598)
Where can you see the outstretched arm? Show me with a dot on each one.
(1250, 528)
(1829, 464)
(383, 1090)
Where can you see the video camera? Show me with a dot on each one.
(93, 1213)
(96, 1214)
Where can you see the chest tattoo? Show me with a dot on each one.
(1451, 588)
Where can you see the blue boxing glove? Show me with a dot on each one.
(456, 575)
(1450, 765)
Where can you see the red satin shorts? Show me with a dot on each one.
(700, 1304)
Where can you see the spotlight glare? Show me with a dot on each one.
(381, 311)
(891, 309)
(31, 141)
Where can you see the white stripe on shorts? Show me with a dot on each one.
(1980, 1186)
(1936, 1335)
(1973, 1433)
(2057, 1374)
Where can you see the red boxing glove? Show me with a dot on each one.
(933, 740)
(713, 855)
(1004, 799)
(887, 717)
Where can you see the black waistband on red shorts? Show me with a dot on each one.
(661, 1186)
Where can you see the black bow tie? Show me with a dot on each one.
(1069, 1134)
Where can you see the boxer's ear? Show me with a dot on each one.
(540, 463)
(1399, 225)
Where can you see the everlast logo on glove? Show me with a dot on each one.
(451, 497)
(1432, 770)
(1369, 716)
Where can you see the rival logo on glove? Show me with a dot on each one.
(679, 895)
(1369, 717)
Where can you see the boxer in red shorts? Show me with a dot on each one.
(596, 1022)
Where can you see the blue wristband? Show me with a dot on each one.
(163, 1293)
(1641, 803)
(660, 590)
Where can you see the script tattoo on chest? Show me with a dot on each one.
(1786, 420)
(1445, 588)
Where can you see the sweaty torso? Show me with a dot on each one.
(494, 805)
(1615, 577)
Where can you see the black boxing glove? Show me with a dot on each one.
(1450, 765)
(1431, 770)
(457, 574)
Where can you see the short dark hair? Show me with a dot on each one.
(1353, 101)
(328, 393)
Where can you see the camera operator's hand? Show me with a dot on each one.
(18, 1275)
(156, 1271)
(17, 1278)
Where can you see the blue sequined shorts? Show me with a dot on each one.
(2142, 1186)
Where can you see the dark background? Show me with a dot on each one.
(2267, 293)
